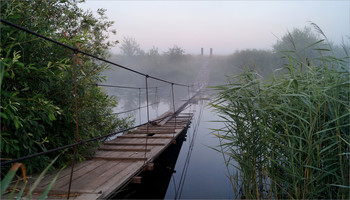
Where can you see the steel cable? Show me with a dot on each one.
(85, 53)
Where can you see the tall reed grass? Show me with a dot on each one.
(289, 135)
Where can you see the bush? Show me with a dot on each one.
(37, 90)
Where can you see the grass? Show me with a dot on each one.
(7, 181)
(289, 134)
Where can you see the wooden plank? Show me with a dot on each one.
(87, 166)
(145, 136)
(134, 144)
(97, 177)
(95, 165)
(48, 178)
(164, 127)
(114, 149)
(119, 158)
(161, 123)
(179, 120)
(153, 131)
(117, 181)
(190, 114)
(183, 117)
(88, 196)
(136, 180)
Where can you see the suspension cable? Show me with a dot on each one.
(133, 109)
(126, 87)
(85, 53)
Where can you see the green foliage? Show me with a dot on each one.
(129, 47)
(175, 53)
(263, 61)
(289, 135)
(37, 90)
(181, 70)
(6, 181)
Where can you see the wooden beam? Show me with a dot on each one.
(136, 179)
(149, 166)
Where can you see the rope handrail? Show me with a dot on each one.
(85, 53)
(134, 109)
(126, 87)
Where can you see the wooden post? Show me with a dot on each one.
(149, 167)
(136, 179)
(211, 52)
(202, 52)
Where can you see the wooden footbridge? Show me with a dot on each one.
(120, 160)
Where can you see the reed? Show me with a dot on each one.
(288, 136)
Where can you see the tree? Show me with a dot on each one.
(175, 53)
(37, 92)
(130, 47)
(298, 43)
(153, 52)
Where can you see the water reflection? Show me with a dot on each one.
(189, 170)
(155, 183)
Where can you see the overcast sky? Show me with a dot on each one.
(223, 25)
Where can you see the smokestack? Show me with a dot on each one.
(202, 52)
(211, 52)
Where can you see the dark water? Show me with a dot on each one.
(191, 169)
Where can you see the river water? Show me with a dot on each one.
(191, 169)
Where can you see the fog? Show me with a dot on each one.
(225, 26)
(164, 39)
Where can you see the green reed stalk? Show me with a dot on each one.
(289, 134)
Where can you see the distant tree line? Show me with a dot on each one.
(302, 44)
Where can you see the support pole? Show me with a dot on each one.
(174, 115)
(140, 104)
(76, 122)
(147, 117)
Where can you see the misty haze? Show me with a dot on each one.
(175, 99)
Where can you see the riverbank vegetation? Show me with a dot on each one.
(288, 135)
(37, 87)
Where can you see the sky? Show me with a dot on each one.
(225, 26)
